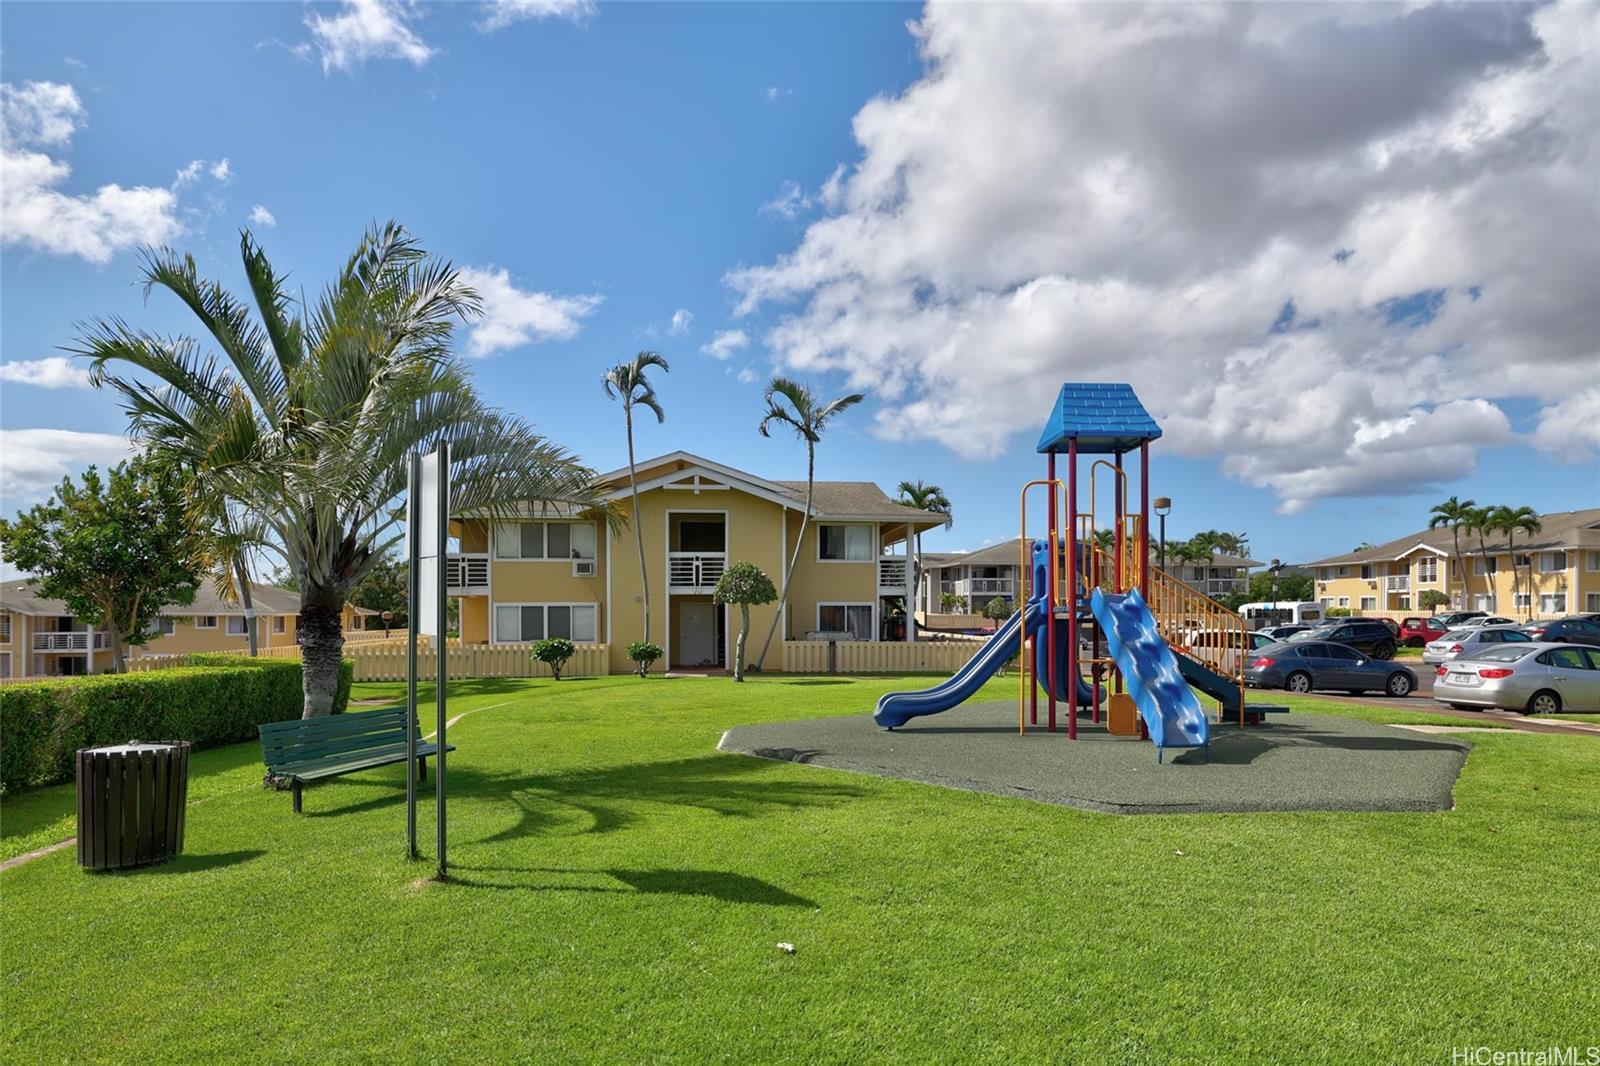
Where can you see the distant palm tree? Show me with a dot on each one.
(924, 498)
(1479, 521)
(1512, 521)
(1454, 513)
(303, 423)
(801, 412)
(628, 381)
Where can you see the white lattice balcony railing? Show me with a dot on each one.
(697, 571)
(892, 572)
(1397, 583)
(466, 573)
(73, 641)
(987, 586)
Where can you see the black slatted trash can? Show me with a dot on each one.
(131, 800)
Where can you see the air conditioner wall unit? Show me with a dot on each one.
(583, 568)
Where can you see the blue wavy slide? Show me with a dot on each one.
(1170, 709)
(898, 708)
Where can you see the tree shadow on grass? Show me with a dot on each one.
(815, 681)
(712, 884)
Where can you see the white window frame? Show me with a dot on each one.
(1369, 572)
(1591, 602)
(166, 625)
(1369, 603)
(1480, 569)
(1521, 601)
(871, 607)
(5, 627)
(242, 631)
(1344, 601)
(1428, 570)
(5, 664)
(280, 623)
(1482, 601)
(1593, 564)
(872, 537)
(544, 606)
(1558, 603)
(1549, 558)
(205, 621)
(1344, 571)
(544, 556)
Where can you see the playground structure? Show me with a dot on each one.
(1085, 578)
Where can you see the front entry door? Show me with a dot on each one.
(697, 635)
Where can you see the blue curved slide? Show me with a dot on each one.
(898, 708)
(1170, 709)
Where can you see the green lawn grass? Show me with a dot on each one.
(620, 889)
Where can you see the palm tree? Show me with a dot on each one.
(1479, 521)
(627, 382)
(1454, 513)
(302, 423)
(924, 498)
(803, 414)
(1511, 521)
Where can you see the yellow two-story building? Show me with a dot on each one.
(558, 574)
(1557, 571)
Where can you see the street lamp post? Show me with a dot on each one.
(388, 616)
(1163, 508)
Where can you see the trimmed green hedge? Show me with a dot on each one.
(215, 700)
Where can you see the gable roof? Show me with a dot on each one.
(1560, 529)
(1102, 417)
(23, 597)
(1005, 553)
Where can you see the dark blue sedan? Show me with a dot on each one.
(1307, 665)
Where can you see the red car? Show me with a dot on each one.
(1415, 632)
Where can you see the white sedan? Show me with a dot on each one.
(1466, 640)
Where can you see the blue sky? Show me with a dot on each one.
(617, 160)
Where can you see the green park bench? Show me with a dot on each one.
(310, 749)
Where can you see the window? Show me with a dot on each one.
(1326, 573)
(1482, 602)
(1565, 659)
(1552, 603)
(1522, 561)
(838, 543)
(517, 623)
(5, 627)
(852, 618)
(1369, 603)
(1594, 562)
(205, 621)
(1455, 570)
(1366, 573)
(1428, 569)
(1523, 600)
(1405, 603)
(280, 624)
(1344, 571)
(545, 540)
(5, 664)
(1344, 601)
(1591, 602)
(1552, 562)
(1339, 651)
(236, 626)
(1483, 567)
(166, 626)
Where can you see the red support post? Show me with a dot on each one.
(1072, 589)
(1144, 519)
(1050, 605)
(1119, 542)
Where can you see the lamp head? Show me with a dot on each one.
(1163, 505)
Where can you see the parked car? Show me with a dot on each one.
(1564, 631)
(1393, 626)
(1459, 642)
(1416, 632)
(1224, 648)
(1456, 619)
(1277, 633)
(1367, 635)
(1487, 620)
(1534, 678)
(1306, 665)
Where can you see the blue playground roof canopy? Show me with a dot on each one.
(1105, 418)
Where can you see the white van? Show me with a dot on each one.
(1283, 613)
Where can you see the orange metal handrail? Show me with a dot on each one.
(1024, 590)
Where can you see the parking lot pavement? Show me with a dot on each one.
(1421, 702)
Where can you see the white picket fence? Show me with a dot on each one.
(878, 657)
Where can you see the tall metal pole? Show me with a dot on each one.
(440, 679)
(1050, 619)
(413, 604)
(1072, 588)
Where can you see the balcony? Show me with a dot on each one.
(695, 572)
(467, 574)
(1397, 583)
(985, 586)
(77, 640)
(892, 574)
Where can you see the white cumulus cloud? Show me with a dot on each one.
(1303, 232)
(1570, 429)
(513, 317)
(33, 461)
(681, 320)
(51, 372)
(725, 343)
(365, 30)
(260, 216)
(498, 14)
(37, 120)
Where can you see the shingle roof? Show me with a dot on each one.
(22, 597)
(1000, 554)
(857, 499)
(1561, 529)
(1103, 417)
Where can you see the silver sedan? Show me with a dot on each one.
(1467, 640)
(1534, 678)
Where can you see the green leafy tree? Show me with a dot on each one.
(743, 583)
(1286, 588)
(115, 549)
(997, 610)
(1431, 600)
(302, 420)
(385, 588)
(950, 603)
(627, 382)
(644, 654)
(1338, 612)
(554, 653)
(791, 404)
(1456, 515)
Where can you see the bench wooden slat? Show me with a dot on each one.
(315, 770)
(312, 749)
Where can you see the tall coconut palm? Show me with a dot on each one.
(924, 498)
(303, 420)
(791, 404)
(1511, 521)
(627, 382)
(1480, 521)
(1454, 514)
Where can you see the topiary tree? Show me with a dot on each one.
(1338, 612)
(643, 653)
(997, 610)
(743, 583)
(554, 653)
(1432, 599)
